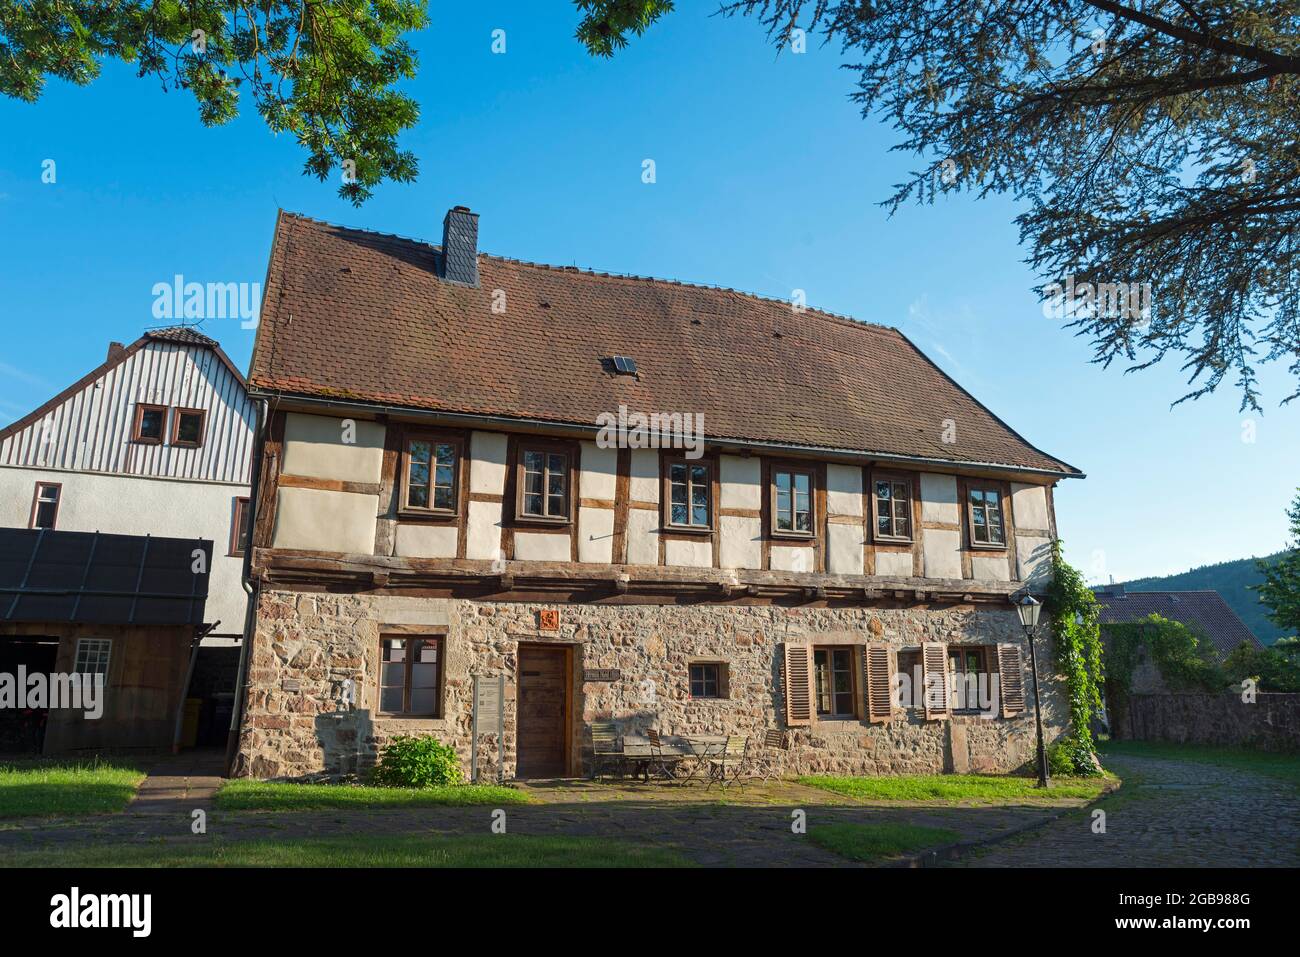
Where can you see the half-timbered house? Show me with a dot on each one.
(472, 466)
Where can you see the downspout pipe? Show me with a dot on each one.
(251, 588)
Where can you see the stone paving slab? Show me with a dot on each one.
(1170, 813)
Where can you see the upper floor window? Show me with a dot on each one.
(985, 505)
(792, 502)
(239, 528)
(429, 477)
(892, 497)
(544, 484)
(150, 421)
(689, 494)
(187, 427)
(45, 505)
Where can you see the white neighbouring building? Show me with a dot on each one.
(158, 440)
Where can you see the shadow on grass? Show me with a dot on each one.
(359, 850)
(874, 843)
(247, 795)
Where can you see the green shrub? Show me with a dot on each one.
(1069, 757)
(411, 761)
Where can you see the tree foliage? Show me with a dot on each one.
(1154, 145)
(322, 70)
(1280, 590)
(606, 23)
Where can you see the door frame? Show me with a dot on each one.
(567, 718)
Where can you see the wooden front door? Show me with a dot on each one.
(543, 711)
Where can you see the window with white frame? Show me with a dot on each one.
(92, 656)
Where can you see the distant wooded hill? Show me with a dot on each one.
(1232, 580)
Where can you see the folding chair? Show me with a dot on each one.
(726, 769)
(659, 762)
(772, 763)
(606, 748)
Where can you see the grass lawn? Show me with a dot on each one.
(48, 788)
(245, 795)
(985, 788)
(874, 842)
(1274, 764)
(502, 850)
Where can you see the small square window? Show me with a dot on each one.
(150, 420)
(92, 656)
(187, 427)
(708, 679)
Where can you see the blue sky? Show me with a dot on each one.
(768, 180)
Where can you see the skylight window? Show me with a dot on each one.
(624, 365)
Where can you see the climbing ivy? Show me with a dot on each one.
(1074, 615)
(1179, 654)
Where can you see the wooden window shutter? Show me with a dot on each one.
(879, 667)
(798, 685)
(1011, 680)
(934, 665)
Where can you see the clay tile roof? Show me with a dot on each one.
(1205, 610)
(182, 334)
(363, 316)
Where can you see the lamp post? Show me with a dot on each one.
(1029, 608)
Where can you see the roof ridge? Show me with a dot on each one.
(607, 274)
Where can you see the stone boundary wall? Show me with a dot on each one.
(1272, 723)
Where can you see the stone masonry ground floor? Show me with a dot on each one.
(333, 677)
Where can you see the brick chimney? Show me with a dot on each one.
(115, 349)
(460, 246)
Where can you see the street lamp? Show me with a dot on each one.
(1029, 608)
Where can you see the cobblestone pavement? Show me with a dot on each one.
(1170, 813)
(749, 828)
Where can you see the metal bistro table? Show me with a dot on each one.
(694, 750)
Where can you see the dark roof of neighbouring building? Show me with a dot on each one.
(94, 578)
(351, 315)
(1205, 610)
